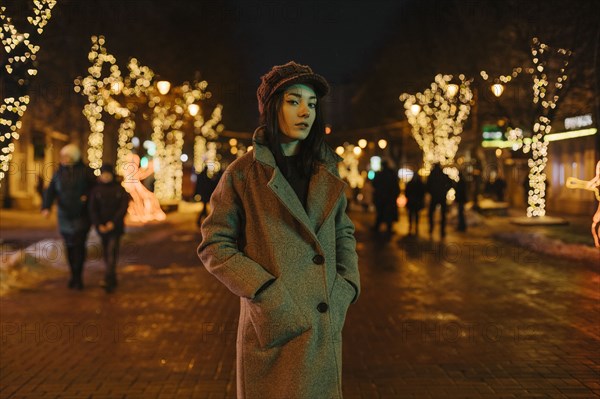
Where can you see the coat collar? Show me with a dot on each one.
(263, 154)
(324, 189)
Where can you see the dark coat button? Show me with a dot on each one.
(322, 307)
(318, 259)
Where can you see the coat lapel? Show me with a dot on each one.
(286, 194)
(324, 188)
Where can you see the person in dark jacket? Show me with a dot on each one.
(206, 182)
(71, 186)
(438, 185)
(461, 200)
(415, 201)
(386, 191)
(108, 207)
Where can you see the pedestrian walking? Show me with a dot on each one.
(108, 207)
(461, 200)
(499, 188)
(367, 195)
(278, 237)
(415, 201)
(438, 185)
(386, 191)
(205, 185)
(70, 186)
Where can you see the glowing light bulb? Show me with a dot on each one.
(497, 89)
(163, 87)
(193, 109)
(451, 90)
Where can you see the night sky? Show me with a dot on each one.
(374, 50)
(231, 43)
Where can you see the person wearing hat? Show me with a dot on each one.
(279, 238)
(108, 207)
(70, 187)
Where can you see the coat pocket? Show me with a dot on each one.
(276, 317)
(341, 296)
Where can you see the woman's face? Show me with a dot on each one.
(297, 113)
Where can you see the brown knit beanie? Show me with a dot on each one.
(282, 76)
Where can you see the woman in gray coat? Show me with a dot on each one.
(279, 238)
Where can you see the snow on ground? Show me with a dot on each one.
(553, 247)
(25, 268)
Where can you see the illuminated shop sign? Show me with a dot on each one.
(492, 132)
(577, 122)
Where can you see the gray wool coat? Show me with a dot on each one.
(289, 335)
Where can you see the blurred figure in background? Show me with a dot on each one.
(206, 182)
(71, 186)
(438, 185)
(461, 200)
(386, 191)
(367, 195)
(108, 207)
(415, 201)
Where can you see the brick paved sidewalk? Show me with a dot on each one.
(431, 323)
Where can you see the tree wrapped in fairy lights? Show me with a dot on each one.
(548, 65)
(437, 116)
(18, 67)
(545, 99)
(166, 108)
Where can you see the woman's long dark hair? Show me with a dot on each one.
(310, 148)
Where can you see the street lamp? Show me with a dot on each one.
(193, 109)
(452, 90)
(497, 89)
(116, 87)
(163, 87)
(415, 109)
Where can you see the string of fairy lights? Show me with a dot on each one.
(437, 116)
(348, 167)
(21, 53)
(548, 98)
(168, 114)
(205, 152)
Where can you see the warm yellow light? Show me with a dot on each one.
(339, 150)
(452, 90)
(362, 143)
(193, 109)
(497, 89)
(163, 87)
(382, 143)
(357, 150)
(117, 87)
(233, 142)
(498, 152)
(327, 130)
(570, 135)
(415, 109)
